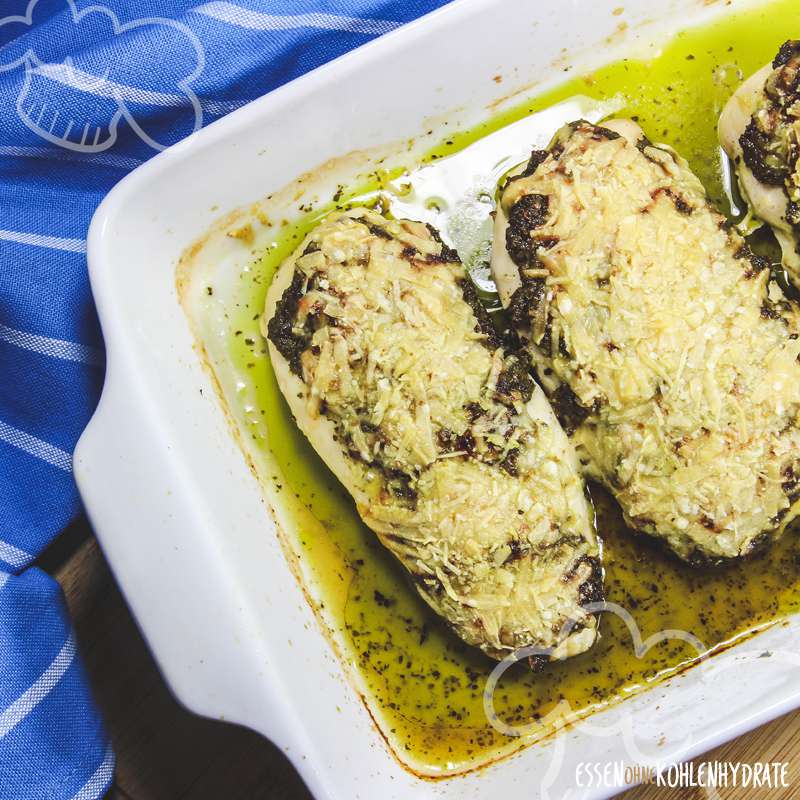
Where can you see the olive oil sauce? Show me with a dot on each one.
(426, 685)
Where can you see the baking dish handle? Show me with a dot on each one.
(130, 485)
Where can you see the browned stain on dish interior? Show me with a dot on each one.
(424, 685)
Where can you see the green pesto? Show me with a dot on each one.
(426, 683)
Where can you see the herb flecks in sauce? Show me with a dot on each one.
(426, 684)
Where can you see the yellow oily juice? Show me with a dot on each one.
(425, 683)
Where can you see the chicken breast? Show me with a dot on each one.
(394, 372)
(666, 349)
(759, 129)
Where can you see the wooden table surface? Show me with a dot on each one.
(166, 753)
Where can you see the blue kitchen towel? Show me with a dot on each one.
(52, 743)
(89, 91)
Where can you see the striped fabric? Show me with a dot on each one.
(88, 92)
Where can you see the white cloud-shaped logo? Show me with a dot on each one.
(620, 727)
(623, 725)
(85, 71)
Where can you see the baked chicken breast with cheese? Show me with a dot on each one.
(666, 349)
(394, 372)
(759, 129)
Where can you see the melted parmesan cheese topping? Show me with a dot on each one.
(454, 457)
(680, 355)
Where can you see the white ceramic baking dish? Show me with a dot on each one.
(179, 513)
